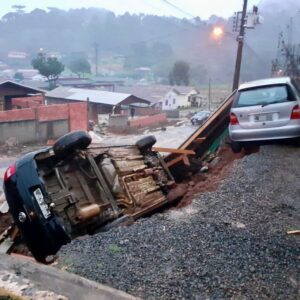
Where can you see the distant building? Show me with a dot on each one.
(100, 102)
(166, 97)
(181, 97)
(17, 55)
(11, 91)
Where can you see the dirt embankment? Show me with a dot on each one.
(209, 181)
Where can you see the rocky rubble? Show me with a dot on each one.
(230, 243)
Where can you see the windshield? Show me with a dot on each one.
(263, 96)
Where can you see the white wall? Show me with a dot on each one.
(170, 101)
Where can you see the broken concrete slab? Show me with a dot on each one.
(26, 278)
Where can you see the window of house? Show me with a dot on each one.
(174, 100)
(166, 102)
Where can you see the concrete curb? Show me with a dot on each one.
(29, 279)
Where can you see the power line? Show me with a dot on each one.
(178, 8)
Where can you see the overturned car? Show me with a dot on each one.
(69, 190)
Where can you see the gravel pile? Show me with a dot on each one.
(231, 243)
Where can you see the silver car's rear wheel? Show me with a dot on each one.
(236, 147)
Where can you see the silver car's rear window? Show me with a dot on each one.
(263, 96)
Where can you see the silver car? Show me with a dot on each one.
(262, 110)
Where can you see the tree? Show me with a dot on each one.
(48, 67)
(180, 73)
(80, 65)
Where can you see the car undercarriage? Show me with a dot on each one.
(94, 186)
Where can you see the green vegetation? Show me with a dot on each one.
(180, 74)
(114, 248)
(48, 67)
(80, 66)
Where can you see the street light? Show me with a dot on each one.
(218, 32)
(247, 21)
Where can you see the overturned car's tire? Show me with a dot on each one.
(70, 142)
(146, 143)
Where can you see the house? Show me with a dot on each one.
(166, 97)
(11, 91)
(100, 102)
(152, 93)
(181, 97)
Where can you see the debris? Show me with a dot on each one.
(293, 232)
(180, 123)
(215, 161)
(238, 225)
(204, 169)
(96, 139)
(3, 206)
(170, 150)
(11, 142)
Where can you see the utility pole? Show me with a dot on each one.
(96, 58)
(240, 40)
(209, 94)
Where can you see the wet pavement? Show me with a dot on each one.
(169, 136)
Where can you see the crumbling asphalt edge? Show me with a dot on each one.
(27, 277)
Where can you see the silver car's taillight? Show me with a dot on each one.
(295, 115)
(233, 119)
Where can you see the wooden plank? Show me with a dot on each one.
(186, 160)
(200, 140)
(171, 150)
(293, 232)
(174, 161)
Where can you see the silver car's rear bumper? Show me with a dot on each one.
(239, 134)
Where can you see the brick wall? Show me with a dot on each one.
(78, 116)
(148, 121)
(53, 112)
(36, 124)
(27, 102)
(17, 115)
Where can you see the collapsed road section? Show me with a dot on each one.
(70, 189)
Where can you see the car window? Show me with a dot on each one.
(263, 96)
(200, 114)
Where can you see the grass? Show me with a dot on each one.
(114, 248)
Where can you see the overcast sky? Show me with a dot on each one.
(202, 8)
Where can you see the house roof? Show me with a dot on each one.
(153, 93)
(95, 96)
(263, 82)
(16, 84)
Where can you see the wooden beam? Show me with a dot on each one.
(293, 232)
(200, 140)
(186, 160)
(171, 150)
(174, 161)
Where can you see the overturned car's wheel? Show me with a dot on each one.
(70, 142)
(146, 143)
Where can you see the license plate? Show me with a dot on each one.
(263, 118)
(41, 201)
